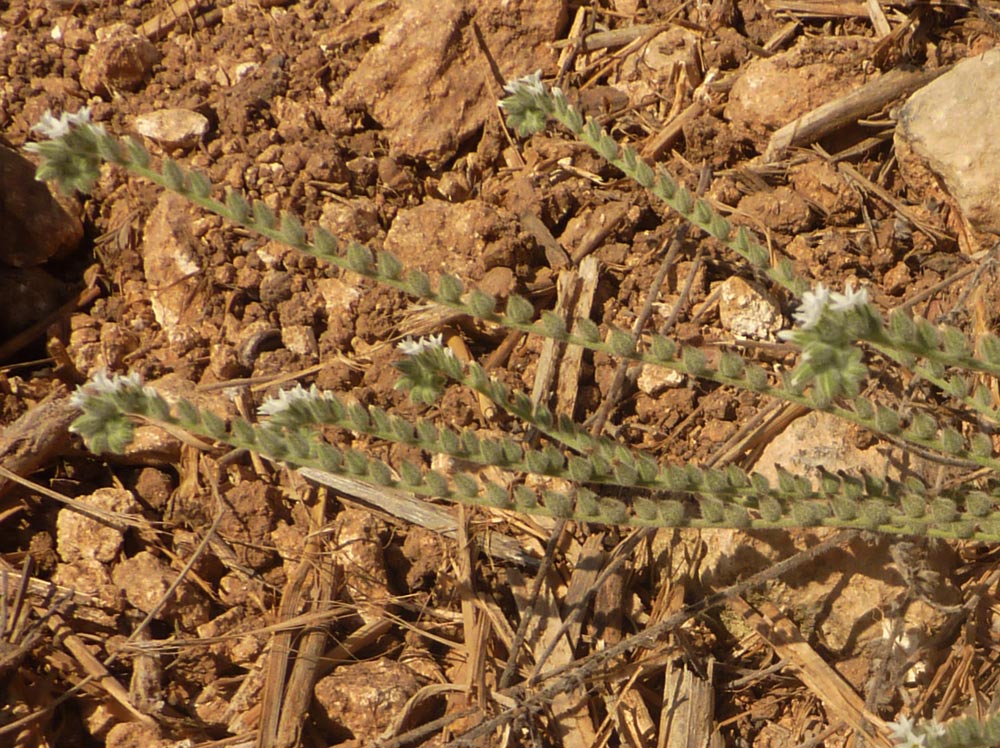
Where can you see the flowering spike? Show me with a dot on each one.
(238, 207)
(553, 325)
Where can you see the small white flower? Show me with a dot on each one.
(903, 731)
(844, 302)
(286, 398)
(529, 84)
(55, 128)
(411, 347)
(102, 384)
(813, 304)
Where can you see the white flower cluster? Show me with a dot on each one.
(102, 384)
(529, 84)
(57, 127)
(814, 303)
(411, 347)
(286, 398)
(907, 737)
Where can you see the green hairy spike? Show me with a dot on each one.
(389, 266)
(263, 216)
(663, 349)
(524, 498)
(481, 304)
(836, 354)
(519, 309)
(621, 343)
(587, 330)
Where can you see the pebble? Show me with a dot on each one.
(172, 128)
(121, 60)
(746, 312)
(654, 380)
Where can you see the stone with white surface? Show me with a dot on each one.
(171, 263)
(654, 380)
(946, 127)
(746, 312)
(172, 128)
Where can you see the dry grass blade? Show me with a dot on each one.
(306, 670)
(820, 8)
(112, 519)
(311, 584)
(847, 109)
(17, 634)
(597, 664)
(568, 380)
(95, 670)
(571, 721)
(399, 505)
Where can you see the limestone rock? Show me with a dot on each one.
(146, 581)
(775, 90)
(746, 312)
(818, 440)
(845, 603)
(172, 128)
(171, 265)
(945, 127)
(654, 380)
(466, 239)
(79, 536)
(363, 697)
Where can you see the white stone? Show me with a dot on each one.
(653, 380)
(947, 126)
(339, 297)
(746, 312)
(81, 537)
(172, 268)
(172, 128)
(300, 339)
